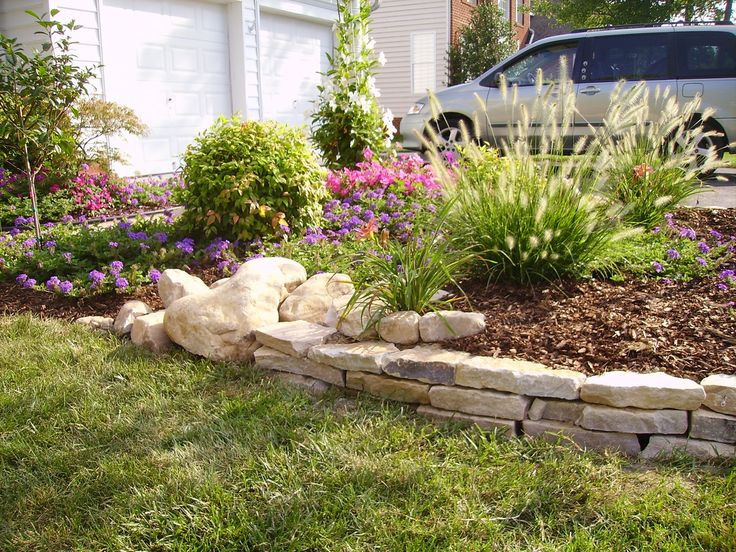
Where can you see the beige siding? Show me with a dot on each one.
(393, 24)
(14, 22)
(87, 38)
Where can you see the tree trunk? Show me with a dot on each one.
(32, 192)
(729, 10)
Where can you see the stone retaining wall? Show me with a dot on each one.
(647, 415)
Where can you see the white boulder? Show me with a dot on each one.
(400, 327)
(127, 315)
(311, 300)
(175, 284)
(444, 325)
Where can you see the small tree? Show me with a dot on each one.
(485, 41)
(38, 92)
(348, 118)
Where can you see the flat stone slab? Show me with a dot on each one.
(720, 393)
(293, 338)
(400, 327)
(314, 387)
(148, 332)
(633, 420)
(667, 445)
(444, 325)
(558, 410)
(389, 388)
(271, 359)
(519, 376)
(493, 404)
(96, 322)
(366, 356)
(713, 426)
(625, 443)
(504, 427)
(652, 391)
(424, 363)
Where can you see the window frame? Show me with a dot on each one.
(680, 46)
(412, 63)
(490, 79)
(586, 51)
(519, 13)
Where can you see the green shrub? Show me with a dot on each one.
(248, 179)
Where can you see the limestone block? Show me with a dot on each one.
(558, 410)
(444, 325)
(271, 359)
(481, 403)
(633, 420)
(503, 427)
(175, 284)
(720, 393)
(96, 322)
(400, 327)
(713, 426)
(127, 315)
(293, 338)
(666, 445)
(148, 332)
(626, 443)
(424, 363)
(654, 391)
(389, 388)
(366, 356)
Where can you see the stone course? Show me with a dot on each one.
(666, 445)
(293, 338)
(271, 359)
(556, 410)
(504, 427)
(653, 391)
(626, 443)
(481, 403)
(364, 356)
(633, 420)
(388, 388)
(720, 393)
(518, 376)
(424, 363)
(713, 426)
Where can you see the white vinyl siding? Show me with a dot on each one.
(15, 23)
(394, 23)
(423, 62)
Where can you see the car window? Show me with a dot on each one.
(630, 57)
(550, 61)
(706, 54)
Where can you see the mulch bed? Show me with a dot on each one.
(593, 326)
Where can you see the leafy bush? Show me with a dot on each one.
(654, 159)
(348, 118)
(248, 179)
(486, 40)
(100, 120)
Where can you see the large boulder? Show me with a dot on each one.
(311, 300)
(219, 323)
(357, 322)
(175, 284)
(127, 315)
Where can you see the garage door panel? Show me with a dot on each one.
(293, 53)
(169, 61)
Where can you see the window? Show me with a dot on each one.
(423, 62)
(505, 7)
(520, 12)
(706, 55)
(631, 57)
(550, 61)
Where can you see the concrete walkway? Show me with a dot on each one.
(722, 193)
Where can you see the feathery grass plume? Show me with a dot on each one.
(656, 150)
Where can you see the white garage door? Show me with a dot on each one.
(168, 60)
(292, 56)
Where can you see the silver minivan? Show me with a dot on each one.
(693, 59)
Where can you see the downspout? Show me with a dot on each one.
(257, 5)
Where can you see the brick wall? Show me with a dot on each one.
(462, 10)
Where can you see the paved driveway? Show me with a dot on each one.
(720, 194)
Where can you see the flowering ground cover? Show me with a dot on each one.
(90, 194)
(114, 449)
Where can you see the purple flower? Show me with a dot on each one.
(66, 287)
(116, 267)
(728, 274)
(701, 261)
(112, 244)
(722, 286)
(96, 277)
(687, 232)
(123, 225)
(704, 247)
(667, 281)
(657, 267)
(143, 247)
(67, 219)
(186, 246)
(67, 256)
(154, 275)
(53, 283)
(161, 237)
(121, 283)
(30, 242)
(29, 283)
(50, 244)
(21, 278)
(138, 236)
(716, 234)
(673, 254)
(28, 254)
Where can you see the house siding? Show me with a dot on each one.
(393, 24)
(14, 22)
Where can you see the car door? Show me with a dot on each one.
(605, 60)
(553, 61)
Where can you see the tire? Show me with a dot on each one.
(450, 133)
(718, 142)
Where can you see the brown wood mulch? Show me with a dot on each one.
(686, 329)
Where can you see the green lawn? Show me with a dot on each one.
(730, 158)
(103, 447)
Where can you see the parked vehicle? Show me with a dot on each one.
(690, 59)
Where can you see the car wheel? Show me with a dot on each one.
(450, 133)
(704, 144)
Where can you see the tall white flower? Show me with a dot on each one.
(382, 58)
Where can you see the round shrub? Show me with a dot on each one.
(250, 179)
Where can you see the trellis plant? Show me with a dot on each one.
(347, 118)
(38, 91)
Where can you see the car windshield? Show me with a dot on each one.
(552, 62)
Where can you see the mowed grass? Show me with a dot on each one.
(103, 447)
